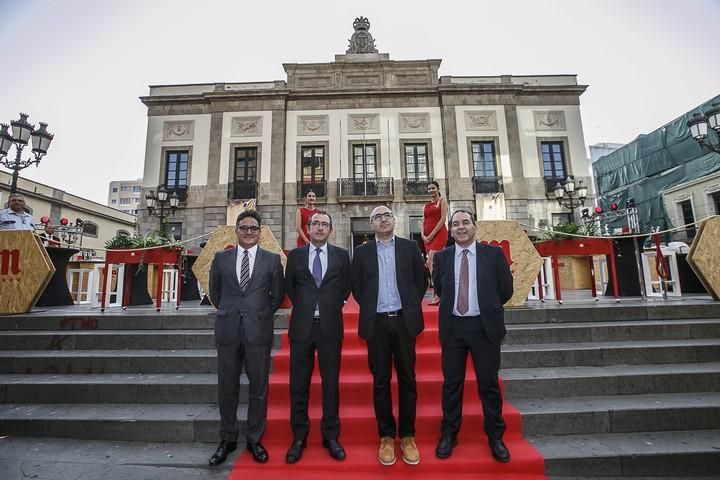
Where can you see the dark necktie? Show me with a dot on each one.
(462, 301)
(245, 271)
(317, 267)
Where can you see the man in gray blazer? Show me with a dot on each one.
(246, 287)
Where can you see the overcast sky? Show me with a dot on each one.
(80, 65)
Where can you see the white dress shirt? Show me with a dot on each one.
(252, 253)
(473, 305)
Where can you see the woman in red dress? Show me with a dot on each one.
(302, 216)
(435, 233)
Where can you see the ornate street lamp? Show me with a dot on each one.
(158, 204)
(22, 131)
(698, 125)
(570, 197)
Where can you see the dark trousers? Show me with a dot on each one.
(302, 363)
(390, 343)
(231, 358)
(467, 335)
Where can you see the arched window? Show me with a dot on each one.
(90, 229)
(122, 233)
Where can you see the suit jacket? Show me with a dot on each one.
(305, 294)
(254, 307)
(494, 288)
(411, 283)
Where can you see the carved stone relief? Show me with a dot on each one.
(246, 127)
(313, 125)
(480, 120)
(364, 123)
(178, 130)
(414, 122)
(549, 120)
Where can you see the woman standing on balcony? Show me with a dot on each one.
(435, 233)
(302, 216)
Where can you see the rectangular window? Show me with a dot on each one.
(688, 217)
(558, 218)
(364, 161)
(553, 158)
(313, 164)
(137, 188)
(175, 229)
(716, 202)
(124, 201)
(416, 161)
(483, 155)
(113, 202)
(176, 169)
(245, 164)
(114, 190)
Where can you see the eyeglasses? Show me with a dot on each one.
(380, 216)
(317, 224)
(246, 229)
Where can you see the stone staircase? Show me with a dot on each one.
(605, 391)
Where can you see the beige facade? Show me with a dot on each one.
(690, 202)
(483, 139)
(101, 222)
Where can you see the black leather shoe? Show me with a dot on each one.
(445, 446)
(221, 453)
(499, 451)
(295, 451)
(259, 453)
(336, 450)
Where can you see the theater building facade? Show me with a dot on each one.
(361, 131)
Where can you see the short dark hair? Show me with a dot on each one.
(434, 182)
(319, 212)
(248, 213)
(310, 190)
(462, 210)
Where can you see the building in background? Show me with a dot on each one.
(100, 222)
(124, 195)
(670, 177)
(360, 131)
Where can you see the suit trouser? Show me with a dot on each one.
(392, 341)
(302, 363)
(231, 358)
(462, 338)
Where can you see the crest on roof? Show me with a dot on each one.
(361, 41)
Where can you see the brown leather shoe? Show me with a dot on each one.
(411, 454)
(386, 455)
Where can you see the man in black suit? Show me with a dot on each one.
(317, 280)
(473, 282)
(389, 284)
(246, 286)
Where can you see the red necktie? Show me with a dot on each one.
(462, 299)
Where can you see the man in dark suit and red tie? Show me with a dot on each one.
(317, 280)
(246, 287)
(473, 282)
(389, 284)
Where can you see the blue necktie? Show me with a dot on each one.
(317, 267)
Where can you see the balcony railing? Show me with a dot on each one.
(487, 184)
(414, 186)
(361, 187)
(320, 189)
(550, 183)
(242, 190)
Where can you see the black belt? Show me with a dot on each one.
(316, 319)
(389, 314)
(466, 317)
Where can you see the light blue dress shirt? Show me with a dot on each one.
(473, 305)
(388, 293)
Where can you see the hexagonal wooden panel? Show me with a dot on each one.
(223, 238)
(25, 270)
(525, 262)
(704, 258)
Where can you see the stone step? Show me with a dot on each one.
(620, 413)
(673, 454)
(523, 383)
(113, 388)
(626, 309)
(107, 339)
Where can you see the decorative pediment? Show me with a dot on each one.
(481, 120)
(549, 120)
(364, 123)
(178, 130)
(414, 122)
(246, 127)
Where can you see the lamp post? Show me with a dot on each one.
(158, 204)
(698, 125)
(22, 130)
(570, 197)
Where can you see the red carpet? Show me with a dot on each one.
(470, 459)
